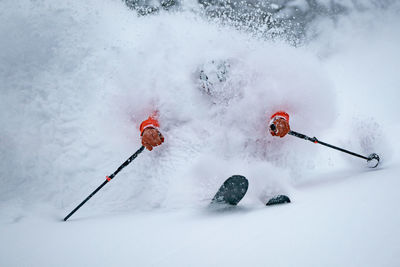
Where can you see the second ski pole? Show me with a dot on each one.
(372, 159)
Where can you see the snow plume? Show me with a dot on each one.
(77, 78)
(287, 20)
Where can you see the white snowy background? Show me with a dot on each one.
(78, 77)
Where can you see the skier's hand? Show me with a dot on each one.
(151, 137)
(279, 126)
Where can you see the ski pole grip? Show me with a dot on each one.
(303, 136)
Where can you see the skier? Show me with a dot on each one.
(213, 80)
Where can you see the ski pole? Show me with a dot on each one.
(369, 159)
(108, 178)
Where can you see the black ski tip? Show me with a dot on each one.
(231, 191)
(279, 199)
(373, 160)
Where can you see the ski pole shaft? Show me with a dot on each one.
(83, 202)
(109, 178)
(316, 141)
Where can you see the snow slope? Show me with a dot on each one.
(78, 78)
(349, 220)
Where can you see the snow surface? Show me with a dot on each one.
(76, 80)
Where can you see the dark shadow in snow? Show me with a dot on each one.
(225, 209)
(336, 177)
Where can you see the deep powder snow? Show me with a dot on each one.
(76, 80)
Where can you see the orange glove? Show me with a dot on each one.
(151, 136)
(279, 124)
